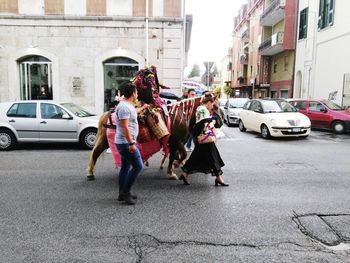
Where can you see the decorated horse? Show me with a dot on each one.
(170, 137)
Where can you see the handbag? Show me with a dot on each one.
(207, 136)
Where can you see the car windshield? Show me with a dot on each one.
(237, 103)
(222, 102)
(277, 106)
(77, 110)
(332, 105)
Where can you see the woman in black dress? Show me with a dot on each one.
(205, 158)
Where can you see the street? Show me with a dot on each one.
(288, 201)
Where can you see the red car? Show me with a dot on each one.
(324, 114)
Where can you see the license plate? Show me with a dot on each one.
(296, 130)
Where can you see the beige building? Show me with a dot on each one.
(82, 50)
(278, 23)
(246, 61)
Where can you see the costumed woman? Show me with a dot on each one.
(205, 157)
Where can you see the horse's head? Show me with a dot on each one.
(146, 82)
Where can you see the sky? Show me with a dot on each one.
(211, 29)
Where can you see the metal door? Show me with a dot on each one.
(34, 76)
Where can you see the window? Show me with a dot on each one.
(300, 105)
(326, 13)
(9, 6)
(22, 110)
(316, 106)
(35, 78)
(96, 7)
(286, 63)
(54, 7)
(256, 106)
(274, 66)
(303, 23)
(284, 94)
(273, 94)
(117, 70)
(247, 105)
(51, 111)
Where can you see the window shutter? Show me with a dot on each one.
(321, 14)
(306, 14)
(331, 13)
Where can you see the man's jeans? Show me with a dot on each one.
(132, 166)
(189, 142)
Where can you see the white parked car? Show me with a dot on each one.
(232, 110)
(45, 121)
(276, 118)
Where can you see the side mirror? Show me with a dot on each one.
(324, 110)
(66, 116)
(257, 110)
(225, 107)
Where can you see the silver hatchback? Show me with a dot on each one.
(232, 110)
(45, 121)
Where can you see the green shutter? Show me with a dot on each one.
(331, 13)
(306, 14)
(303, 23)
(321, 14)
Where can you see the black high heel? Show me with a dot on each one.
(183, 178)
(217, 183)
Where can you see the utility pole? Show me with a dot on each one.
(147, 26)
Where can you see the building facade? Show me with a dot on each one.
(246, 60)
(82, 50)
(322, 69)
(278, 22)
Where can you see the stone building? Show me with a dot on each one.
(82, 50)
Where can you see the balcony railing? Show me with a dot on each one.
(245, 35)
(272, 45)
(265, 44)
(276, 4)
(244, 59)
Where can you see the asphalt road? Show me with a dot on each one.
(287, 200)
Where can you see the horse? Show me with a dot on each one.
(182, 118)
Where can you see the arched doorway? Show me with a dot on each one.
(35, 78)
(116, 71)
(298, 93)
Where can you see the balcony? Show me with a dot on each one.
(244, 59)
(273, 45)
(245, 36)
(273, 14)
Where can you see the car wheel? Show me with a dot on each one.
(241, 126)
(338, 127)
(7, 140)
(88, 139)
(265, 133)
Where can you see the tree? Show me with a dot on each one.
(195, 71)
(217, 91)
(227, 90)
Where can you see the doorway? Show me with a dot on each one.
(35, 78)
(117, 71)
